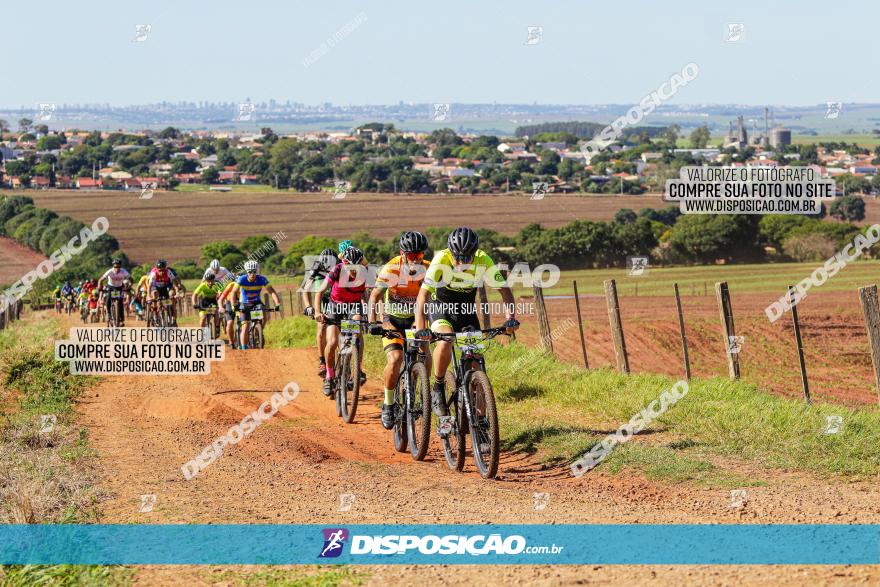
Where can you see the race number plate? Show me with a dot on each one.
(256, 314)
(350, 327)
(470, 339)
(115, 293)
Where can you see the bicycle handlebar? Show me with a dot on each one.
(450, 336)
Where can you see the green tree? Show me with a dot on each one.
(850, 208)
(25, 124)
(699, 138)
(217, 249)
(310, 245)
(210, 175)
(625, 216)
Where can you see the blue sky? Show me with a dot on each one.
(795, 53)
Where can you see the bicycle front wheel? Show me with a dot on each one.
(256, 335)
(485, 440)
(454, 443)
(418, 412)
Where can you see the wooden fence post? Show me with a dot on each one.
(293, 311)
(484, 308)
(543, 322)
(871, 311)
(616, 326)
(722, 294)
(684, 342)
(577, 304)
(800, 345)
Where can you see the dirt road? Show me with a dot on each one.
(293, 468)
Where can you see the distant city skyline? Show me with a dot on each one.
(371, 53)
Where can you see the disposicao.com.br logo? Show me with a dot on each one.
(431, 544)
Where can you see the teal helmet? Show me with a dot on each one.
(344, 245)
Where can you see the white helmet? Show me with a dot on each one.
(251, 266)
(215, 265)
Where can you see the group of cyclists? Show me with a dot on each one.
(431, 301)
(219, 288)
(409, 293)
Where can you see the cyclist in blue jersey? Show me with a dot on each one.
(250, 285)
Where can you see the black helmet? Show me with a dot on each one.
(328, 257)
(413, 242)
(463, 241)
(116, 262)
(161, 263)
(353, 255)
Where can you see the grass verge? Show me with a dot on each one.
(46, 466)
(558, 411)
(333, 576)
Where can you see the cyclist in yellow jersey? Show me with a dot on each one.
(448, 299)
(206, 294)
(398, 285)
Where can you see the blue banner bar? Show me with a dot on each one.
(801, 544)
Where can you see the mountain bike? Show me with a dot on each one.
(115, 316)
(412, 397)
(255, 334)
(69, 304)
(472, 403)
(347, 383)
(212, 322)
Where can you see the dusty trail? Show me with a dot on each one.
(293, 468)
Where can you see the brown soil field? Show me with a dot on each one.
(175, 225)
(293, 468)
(16, 260)
(835, 342)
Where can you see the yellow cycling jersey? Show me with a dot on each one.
(444, 275)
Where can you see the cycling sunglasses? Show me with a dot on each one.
(463, 258)
(414, 256)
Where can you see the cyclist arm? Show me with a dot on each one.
(420, 309)
(324, 285)
(373, 306)
(306, 288)
(274, 295)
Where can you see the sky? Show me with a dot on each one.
(791, 52)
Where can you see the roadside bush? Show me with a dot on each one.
(816, 247)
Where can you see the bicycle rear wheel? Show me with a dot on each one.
(454, 444)
(351, 384)
(485, 440)
(418, 414)
(343, 375)
(400, 419)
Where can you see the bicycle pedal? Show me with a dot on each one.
(444, 429)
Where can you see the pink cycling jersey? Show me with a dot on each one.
(352, 291)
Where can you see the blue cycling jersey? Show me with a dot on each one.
(250, 290)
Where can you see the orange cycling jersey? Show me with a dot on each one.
(401, 290)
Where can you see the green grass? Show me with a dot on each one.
(50, 477)
(300, 577)
(771, 278)
(65, 576)
(290, 333)
(558, 411)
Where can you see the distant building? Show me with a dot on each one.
(780, 137)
